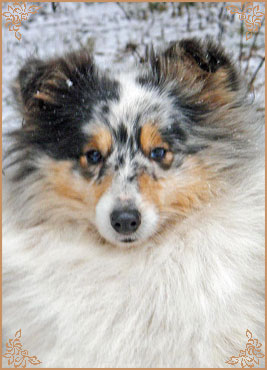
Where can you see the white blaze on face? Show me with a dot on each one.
(134, 101)
(120, 195)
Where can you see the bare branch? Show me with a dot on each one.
(124, 11)
(253, 45)
(241, 41)
(241, 37)
(188, 18)
(220, 23)
(54, 7)
(255, 73)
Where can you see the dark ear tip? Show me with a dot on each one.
(209, 55)
(28, 71)
(34, 70)
(24, 84)
(41, 84)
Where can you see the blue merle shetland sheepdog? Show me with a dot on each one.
(134, 211)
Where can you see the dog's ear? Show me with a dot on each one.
(201, 67)
(46, 87)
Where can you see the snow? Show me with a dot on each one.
(117, 34)
(69, 83)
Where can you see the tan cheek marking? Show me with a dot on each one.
(150, 189)
(101, 141)
(179, 194)
(63, 182)
(150, 138)
(68, 186)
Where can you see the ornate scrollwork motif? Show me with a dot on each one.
(17, 13)
(250, 356)
(250, 14)
(17, 357)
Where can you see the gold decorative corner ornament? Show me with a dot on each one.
(16, 355)
(250, 14)
(250, 356)
(17, 13)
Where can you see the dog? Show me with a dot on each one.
(133, 224)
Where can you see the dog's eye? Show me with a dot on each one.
(93, 156)
(157, 154)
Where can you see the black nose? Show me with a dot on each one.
(125, 221)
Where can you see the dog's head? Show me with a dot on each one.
(128, 155)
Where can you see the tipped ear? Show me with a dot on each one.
(202, 67)
(28, 80)
(46, 86)
(206, 55)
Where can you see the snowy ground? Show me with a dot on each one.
(118, 34)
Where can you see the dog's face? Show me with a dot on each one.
(129, 155)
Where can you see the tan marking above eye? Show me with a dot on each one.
(101, 141)
(150, 139)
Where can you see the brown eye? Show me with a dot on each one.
(94, 157)
(158, 154)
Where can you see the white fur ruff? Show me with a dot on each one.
(184, 303)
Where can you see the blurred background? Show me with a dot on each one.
(118, 33)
